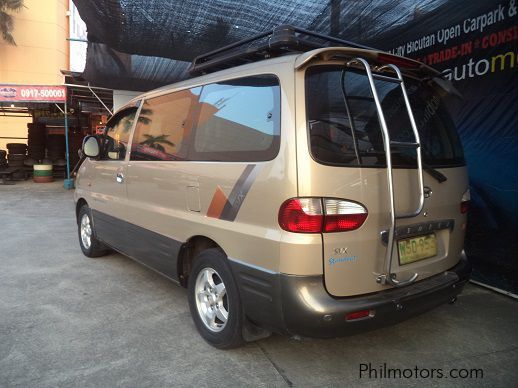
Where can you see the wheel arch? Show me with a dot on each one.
(189, 250)
(79, 204)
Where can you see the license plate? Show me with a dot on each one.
(417, 248)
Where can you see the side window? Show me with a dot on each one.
(116, 135)
(164, 126)
(238, 120)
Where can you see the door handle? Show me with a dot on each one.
(120, 177)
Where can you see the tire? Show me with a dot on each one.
(16, 163)
(209, 302)
(16, 157)
(60, 163)
(89, 243)
(17, 148)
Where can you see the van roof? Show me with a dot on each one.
(372, 55)
(242, 70)
(298, 61)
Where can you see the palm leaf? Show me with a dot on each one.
(11, 5)
(167, 142)
(155, 141)
(6, 20)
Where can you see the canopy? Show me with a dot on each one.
(142, 44)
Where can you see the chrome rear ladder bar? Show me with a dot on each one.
(389, 276)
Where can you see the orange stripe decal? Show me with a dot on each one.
(226, 208)
(217, 204)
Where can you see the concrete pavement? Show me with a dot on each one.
(66, 320)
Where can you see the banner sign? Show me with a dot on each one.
(32, 93)
(475, 44)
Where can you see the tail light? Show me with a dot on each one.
(398, 61)
(321, 215)
(341, 216)
(302, 215)
(464, 204)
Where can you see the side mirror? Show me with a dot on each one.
(91, 146)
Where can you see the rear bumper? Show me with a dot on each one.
(300, 304)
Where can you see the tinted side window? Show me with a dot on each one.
(238, 120)
(164, 126)
(116, 135)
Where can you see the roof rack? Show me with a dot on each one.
(281, 40)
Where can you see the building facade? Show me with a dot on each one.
(41, 30)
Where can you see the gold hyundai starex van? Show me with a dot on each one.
(305, 191)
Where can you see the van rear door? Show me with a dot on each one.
(343, 157)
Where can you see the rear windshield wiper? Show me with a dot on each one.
(439, 176)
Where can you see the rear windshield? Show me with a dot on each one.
(344, 129)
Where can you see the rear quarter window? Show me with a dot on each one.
(238, 120)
